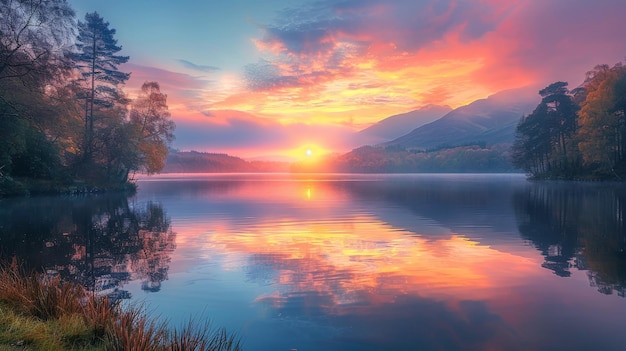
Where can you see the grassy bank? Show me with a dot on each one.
(41, 313)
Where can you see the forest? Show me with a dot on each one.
(471, 158)
(67, 125)
(578, 133)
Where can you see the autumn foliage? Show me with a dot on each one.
(577, 134)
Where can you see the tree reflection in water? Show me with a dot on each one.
(578, 226)
(101, 242)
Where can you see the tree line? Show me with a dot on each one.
(578, 133)
(470, 158)
(65, 119)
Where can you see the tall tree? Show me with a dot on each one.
(97, 60)
(153, 126)
(562, 115)
(603, 121)
(544, 139)
(531, 148)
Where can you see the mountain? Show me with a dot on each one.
(489, 121)
(397, 125)
(203, 162)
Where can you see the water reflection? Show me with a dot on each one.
(379, 262)
(578, 226)
(101, 242)
(351, 262)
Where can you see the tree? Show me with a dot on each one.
(153, 126)
(544, 139)
(562, 114)
(97, 60)
(531, 148)
(603, 121)
(33, 34)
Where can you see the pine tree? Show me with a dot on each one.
(544, 143)
(97, 60)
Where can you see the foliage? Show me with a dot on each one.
(63, 113)
(98, 64)
(152, 126)
(34, 34)
(579, 133)
(544, 145)
(603, 121)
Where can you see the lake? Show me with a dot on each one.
(349, 262)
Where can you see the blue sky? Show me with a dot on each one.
(206, 33)
(273, 78)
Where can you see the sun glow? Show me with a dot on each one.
(308, 153)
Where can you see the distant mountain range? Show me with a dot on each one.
(397, 125)
(472, 138)
(490, 121)
(204, 162)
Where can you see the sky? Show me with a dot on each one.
(272, 79)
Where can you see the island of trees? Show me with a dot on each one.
(66, 122)
(579, 133)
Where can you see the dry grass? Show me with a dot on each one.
(43, 297)
(134, 331)
(198, 335)
(41, 313)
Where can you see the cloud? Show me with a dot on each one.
(369, 52)
(200, 68)
(470, 49)
(266, 76)
(555, 40)
(402, 25)
(331, 65)
(247, 135)
(179, 84)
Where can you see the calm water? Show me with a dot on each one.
(350, 262)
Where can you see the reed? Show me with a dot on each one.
(199, 335)
(42, 313)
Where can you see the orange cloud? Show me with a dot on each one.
(347, 65)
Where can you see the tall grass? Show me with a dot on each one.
(45, 313)
(199, 335)
(39, 295)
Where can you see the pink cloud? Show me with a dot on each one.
(184, 91)
(517, 42)
(247, 135)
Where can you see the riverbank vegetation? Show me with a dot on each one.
(67, 125)
(38, 312)
(579, 133)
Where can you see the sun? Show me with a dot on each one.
(307, 153)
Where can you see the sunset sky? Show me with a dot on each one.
(274, 78)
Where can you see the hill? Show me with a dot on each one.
(397, 125)
(378, 159)
(489, 121)
(203, 162)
